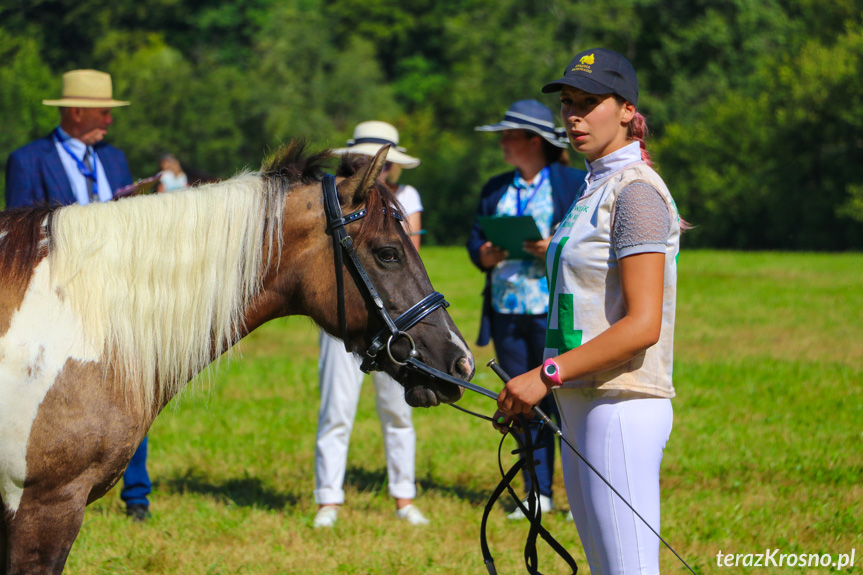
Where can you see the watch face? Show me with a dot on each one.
(550, 369)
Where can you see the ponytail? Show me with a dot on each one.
(638, 132)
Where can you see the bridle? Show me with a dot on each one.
(395, 328)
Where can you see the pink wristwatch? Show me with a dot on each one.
(551, 371)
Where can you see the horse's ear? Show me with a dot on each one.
(364, 181)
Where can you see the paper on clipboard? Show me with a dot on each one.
(510, 232)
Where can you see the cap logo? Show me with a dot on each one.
(584, 64)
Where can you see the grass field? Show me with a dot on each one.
(766, 450)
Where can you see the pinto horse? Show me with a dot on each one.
(108, 310)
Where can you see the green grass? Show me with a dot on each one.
(766, 451)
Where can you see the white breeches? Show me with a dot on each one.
(340, 381)
(623, 437)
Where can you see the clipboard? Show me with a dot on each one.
(145, 186)
(510, 232)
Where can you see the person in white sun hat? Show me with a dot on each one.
(339, 372)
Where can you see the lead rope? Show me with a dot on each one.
(533, 512)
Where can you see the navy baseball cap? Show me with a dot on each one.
(599, 71)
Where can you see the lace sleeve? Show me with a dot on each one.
(642, 221)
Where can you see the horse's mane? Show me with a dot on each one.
(21, 233)
(162, 281)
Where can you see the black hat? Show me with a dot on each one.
(599, 71)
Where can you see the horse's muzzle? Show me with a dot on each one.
(423, 391)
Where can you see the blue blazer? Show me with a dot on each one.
(565, 183)
(35, 174)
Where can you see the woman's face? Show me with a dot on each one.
(518, 148)
(390, 173)
(595, 123)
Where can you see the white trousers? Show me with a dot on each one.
(623, 437)
(340, 382)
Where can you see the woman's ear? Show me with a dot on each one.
(627, 113)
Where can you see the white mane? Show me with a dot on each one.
(161, 282)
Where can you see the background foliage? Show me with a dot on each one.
(756, 106)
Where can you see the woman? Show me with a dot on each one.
(340, 377)
(515, 302)
(612, 269)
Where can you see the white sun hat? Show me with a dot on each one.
(369, 137)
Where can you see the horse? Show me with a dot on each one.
(108, 310)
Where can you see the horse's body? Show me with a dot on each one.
(107, 311)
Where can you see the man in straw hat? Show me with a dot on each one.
(71, 164)
(340, 378)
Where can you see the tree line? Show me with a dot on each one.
(755, 107)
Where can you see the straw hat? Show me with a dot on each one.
(86, 89)
(369, 137)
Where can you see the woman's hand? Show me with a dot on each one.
(490, 255)
(537, 248)
(521, 393)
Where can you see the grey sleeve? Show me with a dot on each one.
(642, 221)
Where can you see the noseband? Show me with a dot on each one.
(393, 328)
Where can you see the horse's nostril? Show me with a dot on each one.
(464, 367)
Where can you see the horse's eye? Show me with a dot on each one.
(388, 255)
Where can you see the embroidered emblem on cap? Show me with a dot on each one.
(584, 64)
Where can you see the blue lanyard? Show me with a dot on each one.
(87, 173)
(520, 208)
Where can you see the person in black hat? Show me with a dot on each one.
(612, 268)
(515, 300)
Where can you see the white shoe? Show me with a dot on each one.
(326, 517)
(412, 515)
(545, 505)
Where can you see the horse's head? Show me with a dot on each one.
(394, 268)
